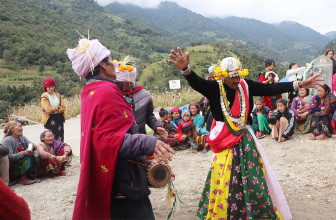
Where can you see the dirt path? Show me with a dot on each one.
(310, 188)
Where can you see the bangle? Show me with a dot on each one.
(52, 157)
(187, 71)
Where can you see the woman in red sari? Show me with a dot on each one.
(54, 154)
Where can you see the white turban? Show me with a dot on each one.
(231, 65)
(87, 55)
(126, 76)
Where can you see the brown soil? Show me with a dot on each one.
(307, 175)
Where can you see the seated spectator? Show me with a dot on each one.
(185, 121)
(54, 154)
(171, 138)
(197, 118)
(260, 119)
(176, 113)
(282, 121)
(323, 108)
(4, 165)
(24, 164)
(302, 113)
(197, 142)
(170, 120)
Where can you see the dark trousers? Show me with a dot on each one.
(130, 209)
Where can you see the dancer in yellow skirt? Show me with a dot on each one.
(240, 183)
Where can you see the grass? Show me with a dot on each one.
(33, 111)
(170, 98)
(176, 98)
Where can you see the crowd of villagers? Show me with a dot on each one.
(25, 162)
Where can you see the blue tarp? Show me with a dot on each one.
(284, 79)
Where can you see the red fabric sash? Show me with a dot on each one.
(130, 93)
(225, 139)
(105, 118)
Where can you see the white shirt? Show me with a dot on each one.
(53, 99)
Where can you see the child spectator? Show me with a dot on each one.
(185, 121)
(197, 142)
(176, 113)
(260, 118)
(170, 120)
(269, 76)
(282, 121)
(305, 108)
(171, 139)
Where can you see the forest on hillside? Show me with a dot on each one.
(34, 36)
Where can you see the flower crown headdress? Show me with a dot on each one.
(126, 64)
(229, 67)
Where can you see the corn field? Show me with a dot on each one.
(168, 98)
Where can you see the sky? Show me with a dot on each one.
(319, 15)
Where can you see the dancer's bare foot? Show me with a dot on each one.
(322, 137)
(37, 180)
(25, 181)
(195, 151)
(282, 139)
(312, 137)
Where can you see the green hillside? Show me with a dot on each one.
(34, 36)
(330, 46)
(241, 34)
(40, 31)
(157, 75)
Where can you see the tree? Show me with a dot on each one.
(42, 62)
(7, 56)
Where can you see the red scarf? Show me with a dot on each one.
(130, 93)
(130, 96)
(105, 119)
(225, 139)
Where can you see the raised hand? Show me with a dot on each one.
(312, 82)
(179, 60)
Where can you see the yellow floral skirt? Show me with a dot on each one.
(236, 186)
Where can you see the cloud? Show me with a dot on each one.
(318, 15)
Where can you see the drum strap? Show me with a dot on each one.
(136, 162)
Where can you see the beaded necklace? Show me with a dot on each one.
(235, 124)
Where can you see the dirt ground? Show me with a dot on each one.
(310, 188)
